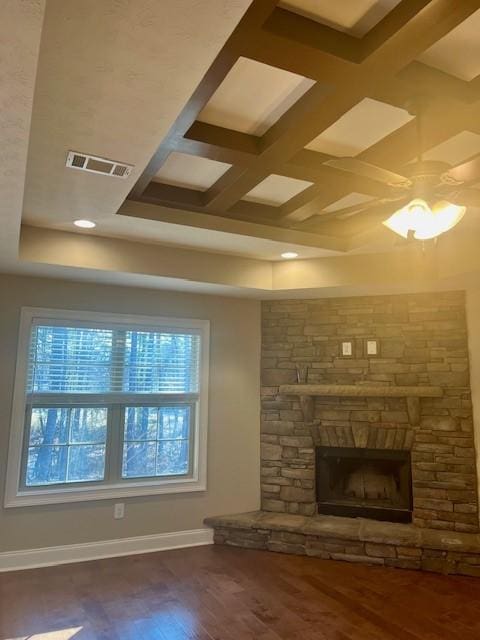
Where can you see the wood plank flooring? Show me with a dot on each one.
(224, 593)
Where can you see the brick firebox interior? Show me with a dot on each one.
(422, 340)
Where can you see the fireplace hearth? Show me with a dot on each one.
(369, 483)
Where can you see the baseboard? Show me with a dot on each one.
(49, 556)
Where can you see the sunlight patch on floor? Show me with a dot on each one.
(59, 634)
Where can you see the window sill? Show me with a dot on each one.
(105, 492)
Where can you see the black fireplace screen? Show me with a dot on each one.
(369, 483)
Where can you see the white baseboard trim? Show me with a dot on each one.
(49, 556)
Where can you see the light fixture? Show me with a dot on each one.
(423, 221)
(85, 224)
(289, 255)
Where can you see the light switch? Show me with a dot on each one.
(347, 348)
(372, 347)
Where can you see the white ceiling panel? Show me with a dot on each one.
(253, 96)
(456, 149)
(365, 124)
(351, 200)
(355, 17)
(276, 190)
(191, 172)
(457, 53)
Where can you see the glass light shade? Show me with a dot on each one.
(423, 221)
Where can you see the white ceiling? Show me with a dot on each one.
(359, 128)
(112, 78)
(276, 190)
(351, 200)
(20, 30)
(457, 53)
(355, 17)
(192, 172)
(253, 96)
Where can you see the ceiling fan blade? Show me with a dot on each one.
(374, 206)
(371, 216)
(467, 171)
(465, 197)
(367, 170)
(371, 219)
(383, 211)
(347, 212)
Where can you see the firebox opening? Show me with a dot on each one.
(369, 483)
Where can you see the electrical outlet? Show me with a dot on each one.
(119, 510)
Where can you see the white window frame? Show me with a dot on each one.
(17, 495)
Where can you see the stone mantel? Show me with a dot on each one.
(364, 391)
(307, 393)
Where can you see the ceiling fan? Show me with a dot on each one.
(428, 199)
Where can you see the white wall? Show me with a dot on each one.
(233, 445)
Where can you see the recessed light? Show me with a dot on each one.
(85, 224)
(289, 255)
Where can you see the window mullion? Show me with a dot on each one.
(115, 438)
(112, 453)
(69, 441)
(117, 370)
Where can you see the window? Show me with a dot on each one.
(107, 406)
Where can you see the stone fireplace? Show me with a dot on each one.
(366, 456)
(369, 483)
(412, 396)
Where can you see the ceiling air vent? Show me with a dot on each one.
(94, 164)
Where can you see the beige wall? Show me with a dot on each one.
(233, 446)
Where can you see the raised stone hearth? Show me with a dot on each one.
(353, 540)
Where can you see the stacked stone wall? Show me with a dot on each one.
(422, 340)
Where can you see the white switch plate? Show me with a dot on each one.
(372, 348)
(347, 348)
(119, 510)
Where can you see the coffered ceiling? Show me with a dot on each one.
(299, 84)
(235, 115)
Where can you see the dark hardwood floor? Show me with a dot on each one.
(235, 594)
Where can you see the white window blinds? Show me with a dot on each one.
(83, 359)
